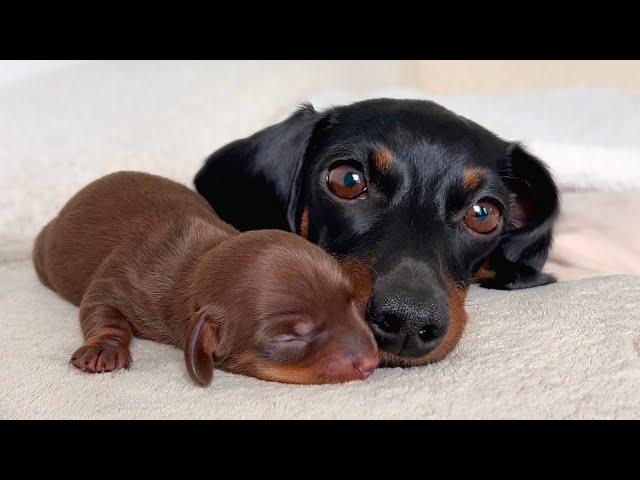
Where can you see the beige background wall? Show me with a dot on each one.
(445, 76)
(437, 76)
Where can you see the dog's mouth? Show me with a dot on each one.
(392, 360)
(405, 345)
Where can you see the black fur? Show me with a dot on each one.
(411, 222)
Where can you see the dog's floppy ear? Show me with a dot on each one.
(254, 183)
(202, 344)
(518, 260)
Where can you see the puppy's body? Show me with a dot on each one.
(143, 255)
(95, 234)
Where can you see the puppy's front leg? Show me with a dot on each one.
(107, 336)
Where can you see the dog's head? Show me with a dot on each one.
(414, 200)
(273, 306)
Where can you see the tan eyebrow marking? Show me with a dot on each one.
(471, 179)
(382, 157)
(304, 223)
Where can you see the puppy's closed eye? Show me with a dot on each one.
(287, 340)
(290, 341)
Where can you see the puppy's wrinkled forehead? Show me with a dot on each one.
(299, 274)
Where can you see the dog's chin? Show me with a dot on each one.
(388, 360)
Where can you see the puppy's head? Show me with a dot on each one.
(413, 199)
(286, 312)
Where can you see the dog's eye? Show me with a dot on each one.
(482, 217)
(347, 182)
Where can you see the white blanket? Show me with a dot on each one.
(550, 352)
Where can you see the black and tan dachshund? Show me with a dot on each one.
(415, 201)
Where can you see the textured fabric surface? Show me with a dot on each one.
(569, 350)
(598, 233)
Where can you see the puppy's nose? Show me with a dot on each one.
(366, 364)
(408, 326)
(344, 367)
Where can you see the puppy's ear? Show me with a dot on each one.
(202, 344)
(254, 183)
(518, 260)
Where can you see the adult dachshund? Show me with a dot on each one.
(415, 201)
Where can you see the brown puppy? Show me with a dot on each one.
(143, 255)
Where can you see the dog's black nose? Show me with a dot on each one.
(408, 326)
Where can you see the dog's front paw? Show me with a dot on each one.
(101, 358)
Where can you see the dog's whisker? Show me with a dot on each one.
(464, 280)
(463, 337)
(343, 256)
(467, 330)
(471, 303)
(478, 309)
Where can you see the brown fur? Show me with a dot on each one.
(304, 223)
(484, 274)
(142, 255)
(382, 157)
(359, 271)
(471, 179)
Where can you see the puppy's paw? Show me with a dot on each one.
(101, 358)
